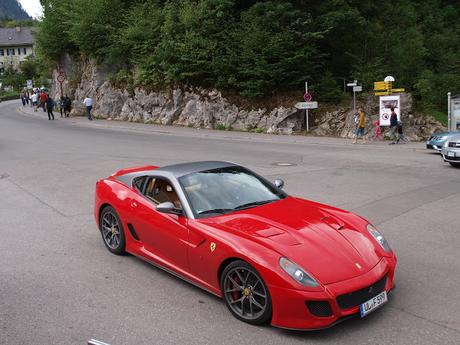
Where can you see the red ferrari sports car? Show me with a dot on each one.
(272, 257)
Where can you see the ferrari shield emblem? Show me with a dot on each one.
(212, 246)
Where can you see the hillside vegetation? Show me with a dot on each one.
(262, 48)
(12, 9)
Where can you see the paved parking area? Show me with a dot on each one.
(59, 285)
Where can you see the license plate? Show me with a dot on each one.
(373, 303)
(450, 154)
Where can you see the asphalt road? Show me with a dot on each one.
(59, 285)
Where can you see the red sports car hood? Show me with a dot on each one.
(324, 241)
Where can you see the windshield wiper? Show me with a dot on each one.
(254, 203)
(216, 210)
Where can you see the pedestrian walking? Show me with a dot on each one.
(23, 98)
(49, 108)
(361, 126)
(62, 106)
(88, 102)
(67, 106)
(401, 137)
(393, 125)
(42, 98)
(378, 130)
(34, 99)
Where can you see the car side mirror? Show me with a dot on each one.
(279, 183)
(169, 208)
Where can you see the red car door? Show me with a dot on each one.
(165, 236)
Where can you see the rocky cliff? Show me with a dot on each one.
(202, 108)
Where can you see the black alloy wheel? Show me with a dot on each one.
(112, 231)
(245, 293)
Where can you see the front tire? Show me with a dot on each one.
(456, 165)
(245, 293)
(112, 231)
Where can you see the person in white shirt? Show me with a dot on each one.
(88, 102)
(34, 101)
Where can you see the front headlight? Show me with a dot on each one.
(446, 143)
(297, 273)
(378, 237)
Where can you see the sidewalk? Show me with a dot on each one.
(82, 121)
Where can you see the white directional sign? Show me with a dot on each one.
(357, 88)
(307, 105)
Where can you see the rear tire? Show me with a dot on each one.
(112, 231)
(245, 293)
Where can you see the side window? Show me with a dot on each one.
(138, 183)
(160, 190)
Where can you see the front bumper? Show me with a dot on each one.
(445, 155)
(290, 310)
(434, 146)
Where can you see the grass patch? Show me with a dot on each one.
(437, 114)
(223, 127)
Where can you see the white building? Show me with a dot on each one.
(15, 45)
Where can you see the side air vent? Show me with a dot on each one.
(133, 232)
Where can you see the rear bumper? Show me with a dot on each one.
(290, 310)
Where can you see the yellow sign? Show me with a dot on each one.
(384, 88)
(212, 247)
(382, 85)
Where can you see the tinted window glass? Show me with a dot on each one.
(226, 190)
(138, 183)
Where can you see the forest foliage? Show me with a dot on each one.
(260, 48)
(12, 10)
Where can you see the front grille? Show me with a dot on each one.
(452, 144)
(455, 159)
(319, 308)
(358, 297)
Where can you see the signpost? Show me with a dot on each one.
(308, 104)
(385, 90)
(356, 88)
(61, 78)
(386, 103)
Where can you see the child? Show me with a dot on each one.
(401, 136)
(378, 131)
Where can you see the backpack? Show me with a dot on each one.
(356, 119)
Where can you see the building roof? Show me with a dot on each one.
(15, 37)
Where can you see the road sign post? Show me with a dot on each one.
(60, 78)
(306, 110)
(308, 104)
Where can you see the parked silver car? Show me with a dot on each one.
(451, 151)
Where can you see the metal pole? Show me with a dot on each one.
(306, 110)
(354, 100)
(449, 113)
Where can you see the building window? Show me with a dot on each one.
(24, 50)
(2, 52)
(19, 51)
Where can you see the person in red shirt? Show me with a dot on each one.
(43, 98)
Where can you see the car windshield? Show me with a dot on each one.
(224, 190)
